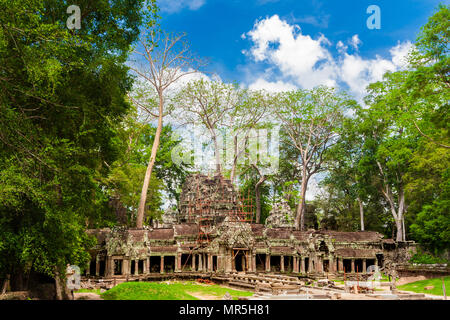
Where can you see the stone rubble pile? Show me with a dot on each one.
(281, 216)
(207, 196)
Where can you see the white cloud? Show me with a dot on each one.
(306, 62)
(172, 6)
(358, 72)
(296, 55)
(400, 52)
(355, 42)
(277, 86)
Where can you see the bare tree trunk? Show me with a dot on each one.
(398, 224)
(148, 173)
(217, 154)
(233, 169)
(403, 228)
(5, 284)
(258, 197)
(300, 217)
(58, 286)
(361, 213)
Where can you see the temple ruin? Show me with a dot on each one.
(212, 232)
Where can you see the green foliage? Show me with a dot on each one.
(395, 153)
(62, 96)
(426, 258)
(432, 224)
(124, 182)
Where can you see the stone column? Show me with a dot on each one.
(147, 265)
(296, 261)
(88, 269)
(97, 267)
(229, 261)
(310, 262)
(161, 269)
(210, 262)
(267, 262)
(341, 264)
(247, 261)
(331, 265)
(254, 262)
(200, 262)
(178, 265)
(233, 261)
(109, 270)
(136, 267)
(282, 263)
(126, 266)
(353, 265)
(364, 266)
(302, 264)
(192, 262)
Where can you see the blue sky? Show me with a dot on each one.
(286, 44)
(215, 30)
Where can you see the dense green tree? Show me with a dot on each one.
(62, 93)
(127, 172)
(311, 119)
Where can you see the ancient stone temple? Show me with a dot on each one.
(212, 232)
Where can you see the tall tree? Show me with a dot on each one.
(62, 93)
(387, 148)
(168, 60)
(208, 103)
(311, 118)
(136, 138)
(241, 122)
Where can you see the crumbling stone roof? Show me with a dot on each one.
(355, 253)
(257, 229)
(353, 236)
(137, 234)
(281, 250)
(281, 216)
(301, 235)
(278, 233)
(233, 233)
(163, 249)
(161, 234)
(100, 234)
(186, 229)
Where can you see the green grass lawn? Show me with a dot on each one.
(164, 291)
(419, 286)
(97, 291)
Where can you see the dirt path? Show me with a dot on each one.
(86, 296)
(405, 280)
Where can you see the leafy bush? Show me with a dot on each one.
(426, 258)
